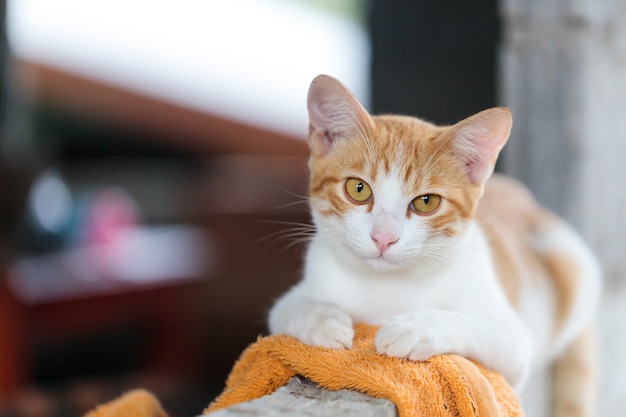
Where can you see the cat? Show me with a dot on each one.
(415, 234)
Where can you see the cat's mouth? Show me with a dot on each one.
(373, 259)
(383, 262)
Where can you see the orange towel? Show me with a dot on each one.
(446, 385)
(136, 403)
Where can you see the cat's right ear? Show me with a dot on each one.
(334, 114)
(478, 140)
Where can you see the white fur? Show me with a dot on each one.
(539, 300)
(449, 302)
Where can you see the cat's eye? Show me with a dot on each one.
(358, 190)
(426, 204)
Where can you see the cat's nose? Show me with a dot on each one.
(384, 240)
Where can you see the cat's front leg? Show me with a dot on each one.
(411, 337)
(310, 321)
(422, 334)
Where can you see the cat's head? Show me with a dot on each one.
(393, 192)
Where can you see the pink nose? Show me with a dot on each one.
(383, 240)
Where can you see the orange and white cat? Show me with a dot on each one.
(414, 234)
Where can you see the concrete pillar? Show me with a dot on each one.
(563, 72)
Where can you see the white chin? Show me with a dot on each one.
(373, 261)
(383, 264)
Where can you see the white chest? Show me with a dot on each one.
(376, 297)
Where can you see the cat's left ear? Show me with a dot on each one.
(334, 114)
(479, 139)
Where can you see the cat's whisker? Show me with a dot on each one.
(293, 194)
(331, 238)
(365, 134)
(298, 234)
(295, 230)
(300, 199)
(286, 223)
(289, 204)
(433, 254)
(431, 161)
(349, 115)
(281, 235)
(366, 149)
(303, 237)
(300, 243)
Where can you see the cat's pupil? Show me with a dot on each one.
(426, 199)
(359, 187)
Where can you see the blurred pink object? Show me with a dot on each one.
(134, 258)
(111, 213)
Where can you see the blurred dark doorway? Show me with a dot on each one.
(434, 59)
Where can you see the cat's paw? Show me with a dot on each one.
(327, 326)
(402, 337)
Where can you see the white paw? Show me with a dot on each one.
(327, 326)
(404, 338)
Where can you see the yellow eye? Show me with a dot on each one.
(358, 190)
(426, 203)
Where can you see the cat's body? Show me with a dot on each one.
(402, 242)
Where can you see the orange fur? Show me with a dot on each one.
(410, 146)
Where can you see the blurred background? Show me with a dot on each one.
(153, 166)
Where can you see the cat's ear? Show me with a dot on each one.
(479, 139)
(334, 114)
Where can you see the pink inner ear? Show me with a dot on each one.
(479, 170)
(479, 139)
(334, 113)
(317, 117)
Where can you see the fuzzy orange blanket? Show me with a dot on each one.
(137, 403)
(446, 385)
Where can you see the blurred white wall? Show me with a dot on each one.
(248, 60)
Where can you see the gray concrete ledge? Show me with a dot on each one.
(302, 397)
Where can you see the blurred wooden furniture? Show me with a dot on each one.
(192, 129)
(195, 329)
